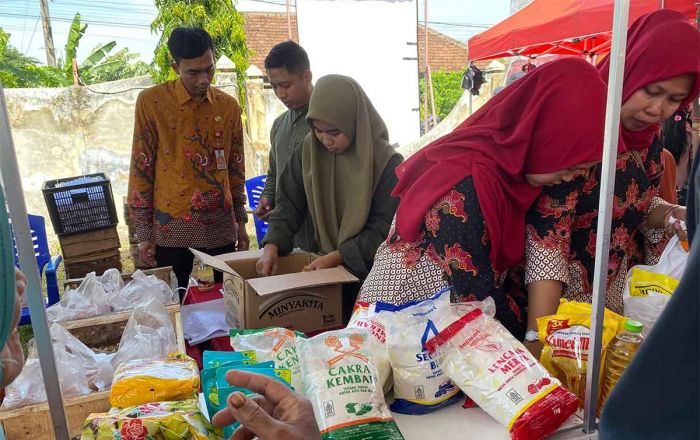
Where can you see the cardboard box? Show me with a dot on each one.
(310, 302)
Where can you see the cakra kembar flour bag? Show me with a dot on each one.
(340, 378)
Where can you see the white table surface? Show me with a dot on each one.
(454, 422)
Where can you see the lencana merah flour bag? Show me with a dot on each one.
(502, 377)
(365, 316)
(340, 379)
(272, 344)
(420, 386)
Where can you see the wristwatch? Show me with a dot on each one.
(532, 336)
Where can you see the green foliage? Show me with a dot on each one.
(218, 17)
(447, 90)
(19, 70)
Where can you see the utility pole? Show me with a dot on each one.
(48, 36)
(289, 20)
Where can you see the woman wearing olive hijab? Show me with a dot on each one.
(343, 175)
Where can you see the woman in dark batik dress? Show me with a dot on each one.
(562, 264)
(463, 198)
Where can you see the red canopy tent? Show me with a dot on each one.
(562, 27)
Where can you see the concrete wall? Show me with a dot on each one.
(66, 132)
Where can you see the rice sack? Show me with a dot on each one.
(502, 377)
(420, 385)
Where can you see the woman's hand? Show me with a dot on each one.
(675, 228)
(325, 262)
(267, 264)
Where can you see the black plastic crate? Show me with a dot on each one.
(80, 204)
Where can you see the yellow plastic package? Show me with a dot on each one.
(143, 381)
(566, 338)
(156, 421)
(641, 282)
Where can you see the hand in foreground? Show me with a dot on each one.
(276, 413)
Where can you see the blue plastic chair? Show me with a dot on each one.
(47, 264)
(254, 188)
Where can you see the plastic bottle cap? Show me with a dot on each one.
(633, 326)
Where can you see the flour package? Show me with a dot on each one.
(365, 316)
(340, 379)
(272, 344)
(420, 386)
(502, 377)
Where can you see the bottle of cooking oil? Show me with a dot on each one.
(619, 354)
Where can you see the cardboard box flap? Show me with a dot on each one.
(214, 262)
(294, 281)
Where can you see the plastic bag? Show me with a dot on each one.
(140, 290)
(488, 306)
(340, 379)
(272, 344)
(79, 372)
(502, 377)
(365, 316)
(112, 281)
(566, 338)
(649, 288)
(420, 385)
(158, 420)
(144, 381)
(148, 334)
(97, 366)
(89, 299)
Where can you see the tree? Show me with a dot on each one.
(99, 65)
(218, 17)
(18, 70)
(447, 90)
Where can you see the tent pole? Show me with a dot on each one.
(696, 103)
(23, 237)
(607, 189)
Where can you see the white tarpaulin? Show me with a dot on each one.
(373, 41)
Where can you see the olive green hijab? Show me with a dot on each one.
(339, 187)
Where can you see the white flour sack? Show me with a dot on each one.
(272, 344)
(420, 386)
(340, 379)
(365, 316)
(502, 377)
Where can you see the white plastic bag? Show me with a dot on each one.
(80, 371)
(98, 370)
(89, 299)
(112, 281)
(140, 290)
(648, 288)
(148, 334)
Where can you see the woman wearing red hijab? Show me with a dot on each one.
(661, 75)
(463, 198)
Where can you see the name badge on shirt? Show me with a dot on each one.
(220, 159)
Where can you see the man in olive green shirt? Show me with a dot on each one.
(287, 66)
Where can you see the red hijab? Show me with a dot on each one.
(549, 120)
(660, 45)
